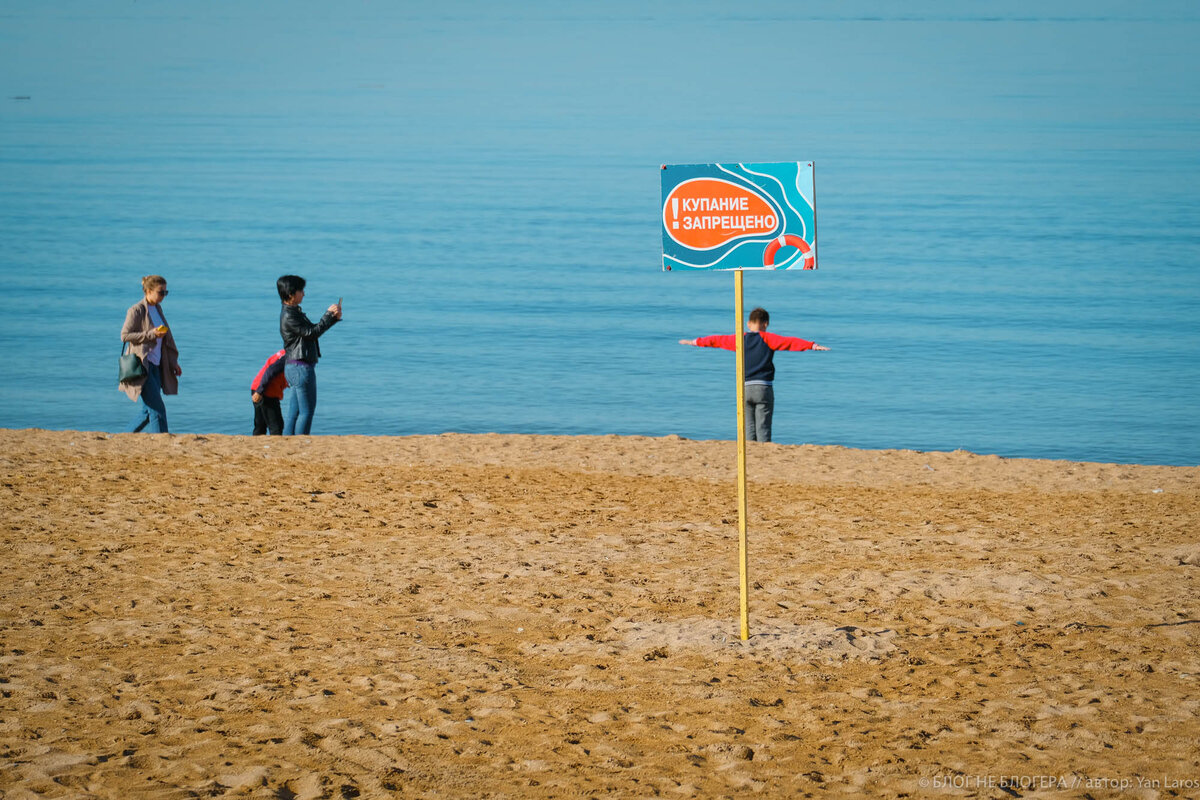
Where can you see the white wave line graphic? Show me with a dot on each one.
(739, 245)
(783, 194)
(756, 188)
(800, 189)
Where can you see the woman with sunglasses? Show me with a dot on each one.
(151, 340)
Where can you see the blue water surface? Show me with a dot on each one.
(1007, 209)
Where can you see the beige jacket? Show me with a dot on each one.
(136, 331)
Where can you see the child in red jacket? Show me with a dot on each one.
(266, 390)
(760, 348)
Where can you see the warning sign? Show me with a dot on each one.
(739, 216)
(703, 213)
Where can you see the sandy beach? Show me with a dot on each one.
(519, 616)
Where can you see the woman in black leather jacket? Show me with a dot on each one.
(302, 351)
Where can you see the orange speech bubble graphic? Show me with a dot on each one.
(704, 213)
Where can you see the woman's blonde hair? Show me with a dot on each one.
(151, 281)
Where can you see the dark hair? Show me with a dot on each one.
(760, 315)
(288, 285)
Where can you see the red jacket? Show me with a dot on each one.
(760, 351)
(271, 376)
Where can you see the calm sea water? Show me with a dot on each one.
(1007, 204)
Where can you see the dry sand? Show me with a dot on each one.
(518, 616)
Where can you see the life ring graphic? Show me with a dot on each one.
(810, 258)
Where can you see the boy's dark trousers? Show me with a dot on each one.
(268, 416)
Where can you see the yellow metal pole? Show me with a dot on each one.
(740, 340)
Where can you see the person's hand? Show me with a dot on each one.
(691, 342)
(336, 310)
(255, 397)
(819, 347)
(178, 370)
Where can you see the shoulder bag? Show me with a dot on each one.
(130, 367)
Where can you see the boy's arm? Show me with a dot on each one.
(794, 343)
(728, 342)
(258, 384)
(273, 371)
(268, 373)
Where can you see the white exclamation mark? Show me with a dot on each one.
(675, 212)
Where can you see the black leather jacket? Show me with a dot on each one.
(300, 334)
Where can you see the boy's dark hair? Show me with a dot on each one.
(760, 315)
(288, 285)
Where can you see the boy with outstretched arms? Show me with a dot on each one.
(760, 347)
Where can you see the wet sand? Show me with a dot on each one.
(518, 616)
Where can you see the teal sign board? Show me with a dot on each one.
(739, 216)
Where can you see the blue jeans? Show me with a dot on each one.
(760, 403)
(302, 398)
(151, 412)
